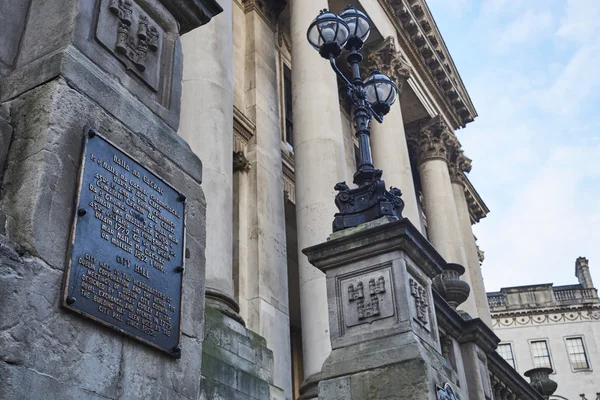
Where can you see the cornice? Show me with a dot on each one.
(566, 308)
(565, 314)
(419, 36)
(477, 208)
(269, 10)
(243, 126)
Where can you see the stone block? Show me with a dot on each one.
(236, 362)
(71, 354)
(378, 282)
(12, 24)
(149, 68)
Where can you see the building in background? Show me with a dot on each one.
(552, 326)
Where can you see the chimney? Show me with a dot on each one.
(582, 272)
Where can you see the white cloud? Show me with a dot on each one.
(530, 68)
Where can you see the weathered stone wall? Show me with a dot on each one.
(47, 352)
(236, 363)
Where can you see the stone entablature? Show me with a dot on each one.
(546, 317)
(427, 52)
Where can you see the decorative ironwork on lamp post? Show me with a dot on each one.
(370, 98)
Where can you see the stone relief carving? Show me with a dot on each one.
(445, 393)
(130, 34)
(421, 300)
(367, 298)
(134, 47)
(240, 162)
(368, 307)
(545, 319)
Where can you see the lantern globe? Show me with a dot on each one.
(381, 92)
(359, 27)
(328, 34)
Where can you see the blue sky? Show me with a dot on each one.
(532, 70)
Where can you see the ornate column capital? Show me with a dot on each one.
(435, 140)
(389, 61)
(458, 164)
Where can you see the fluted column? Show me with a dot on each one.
(388, 140)
(458, 166)
(207, 125)
(319, 164)
(433, 145)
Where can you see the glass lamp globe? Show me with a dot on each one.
(381, 92)
(359, 27)
(328, 33)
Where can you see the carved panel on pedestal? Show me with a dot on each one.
(367, 297)
(420, 305)
(133, 37)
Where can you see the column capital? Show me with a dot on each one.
(458, 164)
(386, 57)
(435, 140)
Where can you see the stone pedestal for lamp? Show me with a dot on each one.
(382, 321)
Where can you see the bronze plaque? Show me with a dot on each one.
(127, 256)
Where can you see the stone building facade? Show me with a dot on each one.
(246, 121)
(555, 326)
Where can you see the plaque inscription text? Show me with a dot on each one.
(126, 264)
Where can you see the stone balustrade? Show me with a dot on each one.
(540, 296)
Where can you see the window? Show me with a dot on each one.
(287, 93)
(541, 354)
(505, 350)
(577, 354)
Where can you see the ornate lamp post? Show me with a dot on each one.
(371, 98)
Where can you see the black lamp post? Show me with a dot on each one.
(371, 98)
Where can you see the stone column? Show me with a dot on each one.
(265, 278)
(433, 145)
(207, 125)
(388, 140)
(458, 166)
(319, 162)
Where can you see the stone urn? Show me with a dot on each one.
(541, 382)
(449, 285)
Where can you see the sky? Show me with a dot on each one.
(532, 69)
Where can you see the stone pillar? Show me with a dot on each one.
(207, 125)
(433, 145)
(388, 140)
(458, 166)
(319, 165)
(115, 67)
(382, 316)
(265, 278)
